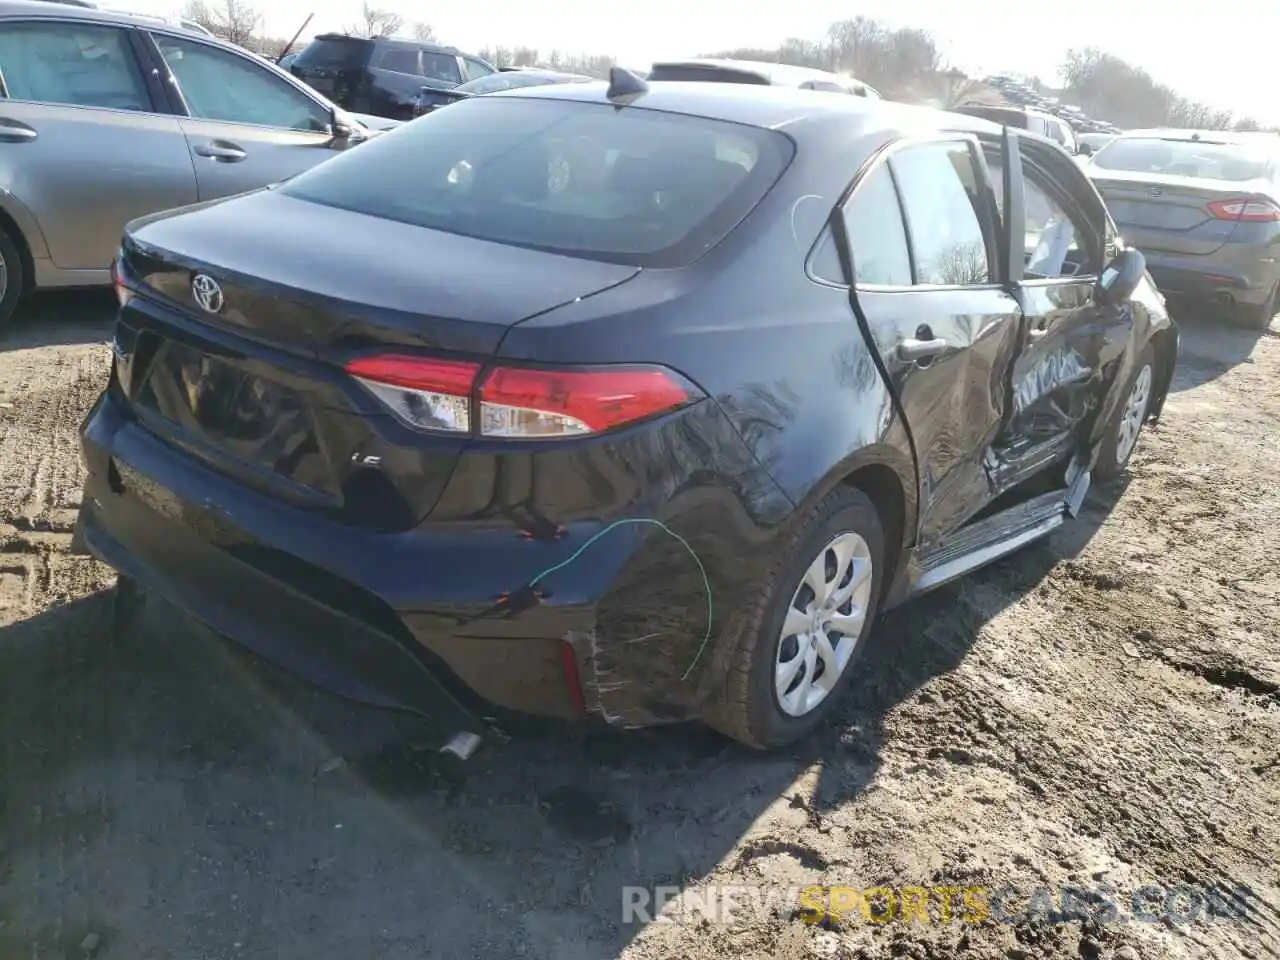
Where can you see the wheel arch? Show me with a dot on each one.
(887, 476)
(19, 228)
(1164, 342)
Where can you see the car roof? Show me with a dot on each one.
(398, 41)
(1203, 136)
(66, 11)
(804, 114)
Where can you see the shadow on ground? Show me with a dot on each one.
(170, 797)
(60, 318)
(1211, 347)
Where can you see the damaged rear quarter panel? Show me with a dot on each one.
(635, 548)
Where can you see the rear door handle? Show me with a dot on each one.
(914, 350)
(223, 153)
(14, 131)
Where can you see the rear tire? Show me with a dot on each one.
(839, 541)
(1121, 438)
(13, 278)
(1259, 317)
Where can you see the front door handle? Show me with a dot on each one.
(222, 153)
(14, 131)
(913, 350)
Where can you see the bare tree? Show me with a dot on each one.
(376, 22)
(234, 20)
(424, 32)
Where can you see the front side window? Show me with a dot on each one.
(877, 239)
(628, 186)
(71, 63)
(476, 69)
(1055, 242)
(940, 194)
(218, 85)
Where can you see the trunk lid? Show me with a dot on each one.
(251, 381)
(1169, 213)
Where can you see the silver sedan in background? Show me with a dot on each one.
(1203, 206)
(106, 117)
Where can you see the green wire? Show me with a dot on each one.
(706, 581)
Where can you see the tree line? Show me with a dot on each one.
(902, 63)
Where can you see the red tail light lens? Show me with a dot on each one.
(1251, 210)
(123, 293)
(519, 402)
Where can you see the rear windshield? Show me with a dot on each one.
(1183, 158)
(692, 73)
(342, 53)
(585, 179)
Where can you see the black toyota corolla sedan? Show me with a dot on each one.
(628, 402)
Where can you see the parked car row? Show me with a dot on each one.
(1024, 95)
(109, 116)
(402, 79)
(656, 437)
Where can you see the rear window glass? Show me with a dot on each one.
(1183, 158)
(336, 54)
(585, 179)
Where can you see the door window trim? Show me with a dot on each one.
(987, 218)
(179, 101)
(134, 43)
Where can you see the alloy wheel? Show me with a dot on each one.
(823, 625)
(1135, 411)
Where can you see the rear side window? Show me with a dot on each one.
(441, 66)
(336, 53)
(940, 193)
(629, 186)
(71, 63)
(877, 239)
(399, 60)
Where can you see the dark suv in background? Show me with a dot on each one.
(382, 76)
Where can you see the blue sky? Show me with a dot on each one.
(1220, 52)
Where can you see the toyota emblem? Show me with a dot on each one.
(1155, 192)
(207, 293)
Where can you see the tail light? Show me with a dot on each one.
(451, 396)
(123, 293)
(1250, 210)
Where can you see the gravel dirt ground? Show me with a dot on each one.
(1100, 709)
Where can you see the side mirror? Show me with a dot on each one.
(341, 130)
(1085, 150)
(1120, 278)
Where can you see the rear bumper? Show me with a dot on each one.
(1242, 280)
(443, 620)
(263, 575)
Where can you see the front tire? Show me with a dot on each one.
(796, 649)
(13, 279)
(1121, 438)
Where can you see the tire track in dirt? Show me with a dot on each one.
(44, 395)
